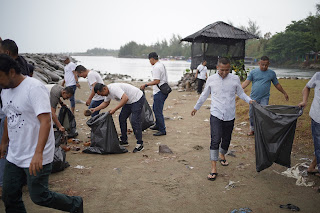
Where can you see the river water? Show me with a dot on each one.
(141, 68)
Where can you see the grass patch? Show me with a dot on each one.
(303, 139)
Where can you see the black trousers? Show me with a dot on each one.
(201, 82)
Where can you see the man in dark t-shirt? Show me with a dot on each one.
(57, 92)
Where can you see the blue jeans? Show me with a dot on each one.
(135, 109)
(315, 127)
(262, 102)
(38, 190)
(94, 104)
(72, 99)
(221, 132)
(158, 103)
(2, 161)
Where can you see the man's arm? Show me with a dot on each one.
(154, 82)
(123, 101)
(305, 96)
(76, 78)
(4, 140)
(279, 87)
(91, 94)
(101, 106)
(45, 125)
(63, 82)
(245, 84)
(56, 121)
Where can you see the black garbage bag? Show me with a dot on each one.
(67, 120)
(59, 162)
(147, 118)
(104, 136)
(274, 133)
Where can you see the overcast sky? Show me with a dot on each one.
(44, 26)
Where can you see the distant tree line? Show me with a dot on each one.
(165, 48)
(99, 52)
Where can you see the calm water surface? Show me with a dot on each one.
(141, 68)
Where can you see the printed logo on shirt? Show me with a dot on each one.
(13, 116)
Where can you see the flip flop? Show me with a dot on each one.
(212, 179)
(223, 162)
(291, 207)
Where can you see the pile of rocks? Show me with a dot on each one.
(188, 82)
(48, 68)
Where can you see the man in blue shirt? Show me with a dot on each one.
(261, 79)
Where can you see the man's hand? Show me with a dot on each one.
(36, 164)
(302, 104)
(286, 97)
(88, 102)
(251, 102)
(112, 111)
(92, 110)
(78, 85)
(62, 129)
(142, 87)
(193, 112)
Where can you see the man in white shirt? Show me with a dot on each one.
(160, 77)
(30, 154)
(223, 87)
(70, 79)
(131, 100)
(201, 75)
(315, 119)
(94, 99)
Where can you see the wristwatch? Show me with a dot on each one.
(146, 85)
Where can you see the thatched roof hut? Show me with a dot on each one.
(217, 40)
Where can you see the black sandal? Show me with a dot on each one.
(212, 179)
(222, 162)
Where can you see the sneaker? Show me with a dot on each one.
(139, 147)
(124, 143)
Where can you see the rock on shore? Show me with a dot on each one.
(48, 68)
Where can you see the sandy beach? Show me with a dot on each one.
(151, 182)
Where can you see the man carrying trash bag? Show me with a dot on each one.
(274, 133)
(131, 101)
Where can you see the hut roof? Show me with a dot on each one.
(218, 30)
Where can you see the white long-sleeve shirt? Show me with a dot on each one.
(223, 96)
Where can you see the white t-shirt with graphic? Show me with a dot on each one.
(116, 91)
(69, 75)
(94, 77)
(160, 73)
(22, 105)
(202, 72)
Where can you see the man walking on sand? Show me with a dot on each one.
(131, 101)
(160, 77)
(29, 131)
(223, 87)
(70, 79)
(315, 119)
(94, 99)
(201, 75)
(261, 79)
